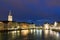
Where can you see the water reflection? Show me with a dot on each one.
(46, 32)
(13, 34)
(33, 34)
(24, 32)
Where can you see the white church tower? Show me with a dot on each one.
(55, 24)
(10, 16)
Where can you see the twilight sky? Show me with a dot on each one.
(31, 10)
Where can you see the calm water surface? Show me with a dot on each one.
(30, 35)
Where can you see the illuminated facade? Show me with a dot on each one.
(31, 25)
(24, 25)
(46, 26)
(1, 25)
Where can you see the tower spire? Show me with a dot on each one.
(9, 12)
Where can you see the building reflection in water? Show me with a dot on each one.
(24, 32)
(50, 33)
(40, 32)
(0, 36)
(30, 35)
(31, 31)
(46, 32)
(13, 34)
(36, 32)
(56, 34)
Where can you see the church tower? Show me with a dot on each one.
(10, 16)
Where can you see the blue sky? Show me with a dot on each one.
(25, 10)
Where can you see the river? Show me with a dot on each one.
(30, 35)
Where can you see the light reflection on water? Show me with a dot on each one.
(30, 35)
(24, 32)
